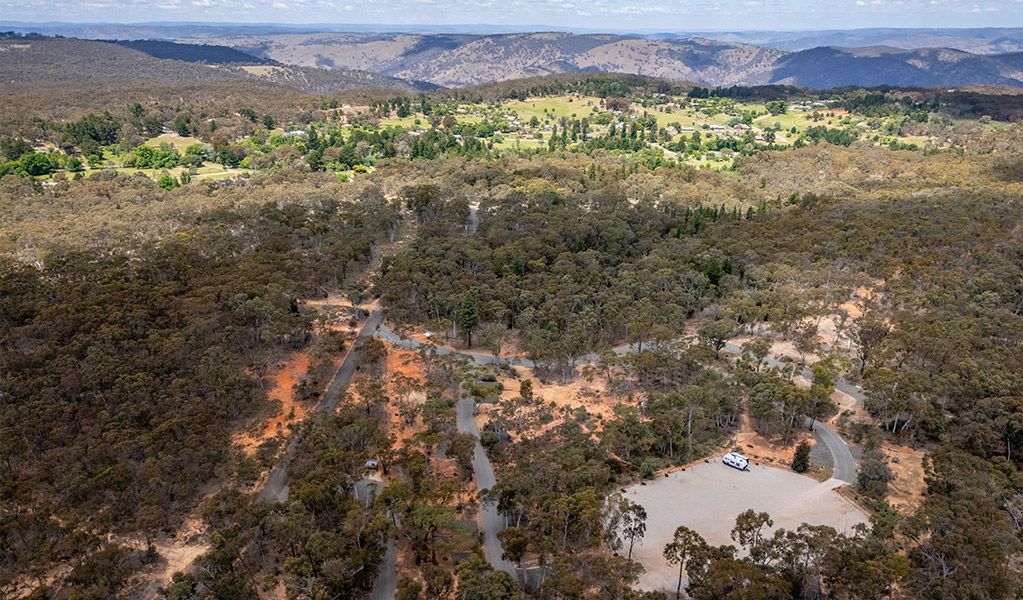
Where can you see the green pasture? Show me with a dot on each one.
(175, 140)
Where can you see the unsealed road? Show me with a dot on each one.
(490, 521)
(844, 463)
(385, 585)
(276, 487)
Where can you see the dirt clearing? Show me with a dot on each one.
(908, 488)
(708, 497)
(284, 379)
(762, 449)
(591, 395)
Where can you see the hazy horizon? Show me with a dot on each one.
(482, 27)
(538, 15)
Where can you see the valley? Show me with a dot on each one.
(462, 60)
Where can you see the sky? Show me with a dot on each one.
(605, 15)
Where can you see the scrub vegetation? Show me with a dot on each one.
(143, 306)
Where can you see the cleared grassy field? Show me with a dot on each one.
(424, 122)
(557, 107)
(788, 120)
(261, 70)
(919, 140)
(406, 122)
(687, 118)
(511, 144)
(205, 172)
(174, 140)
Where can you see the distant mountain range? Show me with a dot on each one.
(829, 67)
(989, 40)
(453, 60)
(326, 62)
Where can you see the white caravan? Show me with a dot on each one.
(736, 460)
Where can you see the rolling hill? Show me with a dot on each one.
(44, 62)
(202, 53)
(829, 67)
(34, 61)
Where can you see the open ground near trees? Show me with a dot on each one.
(708, 497)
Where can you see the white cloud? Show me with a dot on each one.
(638, 10)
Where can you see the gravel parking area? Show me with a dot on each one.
(708, 497)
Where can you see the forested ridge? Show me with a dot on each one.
(201, 53)
(126, 363)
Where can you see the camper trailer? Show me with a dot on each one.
(736, 460)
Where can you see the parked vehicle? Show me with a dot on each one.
(736, 460)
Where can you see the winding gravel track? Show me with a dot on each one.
(844, 463)
(489, 519)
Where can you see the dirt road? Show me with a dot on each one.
(490, 521)
(842, 458)
(276, 487)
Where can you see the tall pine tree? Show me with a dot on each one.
(468, 317)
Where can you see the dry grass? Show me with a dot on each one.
(762, 449)
(907, 491)
(578, 392)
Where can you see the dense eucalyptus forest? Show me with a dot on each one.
(143, 319)
(574, 264)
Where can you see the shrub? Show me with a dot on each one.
(801, 459)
